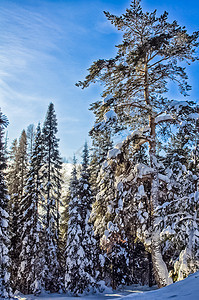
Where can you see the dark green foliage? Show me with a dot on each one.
(32, 261)
(101, 144)
(52, 193)
(17, 171)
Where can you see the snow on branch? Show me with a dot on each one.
(178, 104)
(107, 99)
(143, 171)
(110, 115)
(164, 118)
(113, 153)
(139, 137)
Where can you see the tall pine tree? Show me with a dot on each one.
(32, 263)
(148, 57)
(17, 170)
(52, 186)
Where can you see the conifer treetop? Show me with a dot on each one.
(50, 123)
(150, 43)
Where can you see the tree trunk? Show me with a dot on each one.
(160, 269)
(159, 266)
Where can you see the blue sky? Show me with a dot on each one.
(46, 47)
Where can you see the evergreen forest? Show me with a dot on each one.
(130, 213)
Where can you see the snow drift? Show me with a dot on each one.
(187, 289)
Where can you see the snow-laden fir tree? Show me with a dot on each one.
(81, 255)
(180, 223)
(132, 200)
(73, 232)
(136, 78)
(120, 218)
(32, 260)
(22, 162)
(13, 190)
(52, 192)
(16, 173)
(5, 289)
(101, 144)
(179, 218)
(89, 242)
(101, 212)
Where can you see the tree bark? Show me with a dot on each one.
(159, 266)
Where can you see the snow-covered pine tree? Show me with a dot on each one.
(148, 57)
(81, 255)
(22, 162)
(52, 192)
(121, 217)
(179, 218)
(101, 214)
(5, 289)
(102, 211)
(32, 261)
(101, 144)
(17, 170)
(13, 186)
(73, 231)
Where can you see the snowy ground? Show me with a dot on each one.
(187, 289)
(108, 294)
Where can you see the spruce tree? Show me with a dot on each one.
(116, 219)
(22, 162)
(178, 216)
(13, 190)
(52, 192)
(102, 211)
(73, 231)
(147, 59)
(17, 170)
(5, 290)
(101, 144)
(32, 264)
(81, 256)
